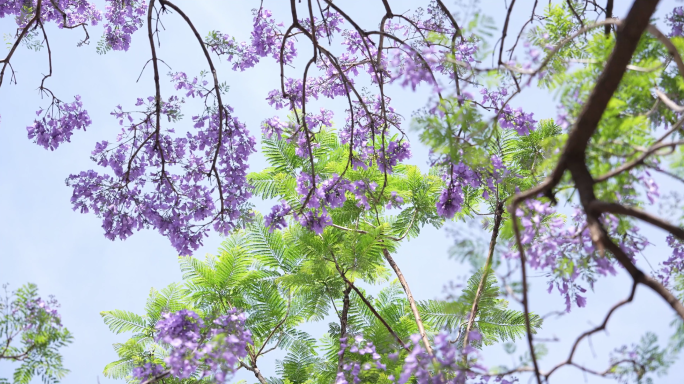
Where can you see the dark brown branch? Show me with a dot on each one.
(595, 330)
(609, 14)
(572, 9)
(629, 33)
(640, 160)
(47, 45)
(157, 89)
(448, 14)
(218, 96)
(343, 325)
(584, 183)
(619, 209)
(525, 300)
(67, 26)
(6, 61)
(368, 304)
(504, 32)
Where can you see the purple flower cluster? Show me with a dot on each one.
(227, 344)
(533, 53)
(166, 182)
(412, 69)
(58, 123)
(317, 199)
(676, 22)
(304, 137)
(450, 200)
(148, 371)
(498, 173)
(181, 330)
(272, 126)
(37, 313)
(333, 191)
(509, 118)
(394, 153)
(550, 244)
(420, 62)
(650, 186)
(266, 40)
(364, 134)
(395, 201)
(192, 346)
(444, 367)
(332, 194)
(675, 263)
(123, 18)
(328, 194)
(76, 12)
(276, 219)
(451, 197)
(351, 370)
(315, 219)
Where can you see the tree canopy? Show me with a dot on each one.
(564, 197)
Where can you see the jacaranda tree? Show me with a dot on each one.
(346, 196)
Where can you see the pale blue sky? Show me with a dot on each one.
(43, 241)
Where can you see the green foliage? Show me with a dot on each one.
(283, 279)
(31, 334)
(141, 347)
(494, 320)
(419, 191)
(639, 363)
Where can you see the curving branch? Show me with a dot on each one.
(6, 61)
(619, 209)
(593, 331)
(368, 303)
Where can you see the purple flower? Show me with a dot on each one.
(58, 123)
(123, 18)
(219, 350)
(276, 219)
(169, 182)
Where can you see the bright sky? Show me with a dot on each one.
(43, 241)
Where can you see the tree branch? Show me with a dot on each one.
(498, 216)
(368, 304)
(619, 209)
(411, 300)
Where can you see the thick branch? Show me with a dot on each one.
(585, 187)
(619, 209)
(343, 325)
(609, 14)
(628, 35)
(256, 371)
